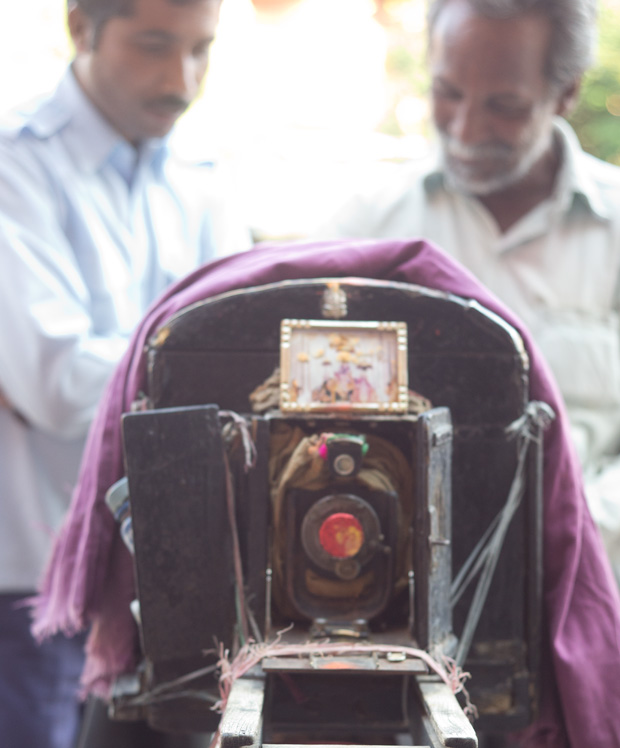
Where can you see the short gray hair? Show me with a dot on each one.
(573, 23)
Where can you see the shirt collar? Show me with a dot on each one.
(433, 176)
(574, 182)
(89, 137)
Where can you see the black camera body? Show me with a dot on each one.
(353, 547)
(358, 542)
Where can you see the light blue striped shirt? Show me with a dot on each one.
(91, 231)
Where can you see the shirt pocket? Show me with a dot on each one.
(584, 355)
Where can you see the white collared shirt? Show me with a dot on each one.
(557, 268)
(91, 232)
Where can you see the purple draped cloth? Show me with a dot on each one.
(89, 581)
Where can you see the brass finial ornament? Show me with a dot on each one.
(334, 304)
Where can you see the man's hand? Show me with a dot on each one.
(4, 403)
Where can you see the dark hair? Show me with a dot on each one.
(573, 25)
(100, 11)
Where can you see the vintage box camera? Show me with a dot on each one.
(331, 513)
(351, 538)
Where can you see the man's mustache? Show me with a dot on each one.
(170, 102)
(484, 151)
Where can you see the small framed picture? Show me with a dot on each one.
(331, 366)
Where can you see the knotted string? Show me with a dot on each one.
(483, 558)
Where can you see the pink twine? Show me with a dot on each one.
(238, 567)
(253, 653)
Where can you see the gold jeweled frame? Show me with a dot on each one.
(334, 366)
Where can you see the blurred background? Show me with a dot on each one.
(305, 98)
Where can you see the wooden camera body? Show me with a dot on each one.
(343, 548)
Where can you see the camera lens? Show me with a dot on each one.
(341, 535)
(344, 464)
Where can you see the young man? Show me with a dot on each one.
(512, 196)
(96, 219)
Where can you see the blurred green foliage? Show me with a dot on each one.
(597, 116)
(408, 78)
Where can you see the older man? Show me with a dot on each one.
(513, 197)
(96, 220)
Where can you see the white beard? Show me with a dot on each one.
(460, 180)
